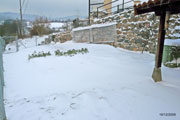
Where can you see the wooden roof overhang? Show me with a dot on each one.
(157, 6)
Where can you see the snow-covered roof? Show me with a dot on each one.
(1, 22)
(171, 42)
(94, 26)
(56, 25)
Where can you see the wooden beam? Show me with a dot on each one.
(161, 37)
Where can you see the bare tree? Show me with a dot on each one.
(40, 27)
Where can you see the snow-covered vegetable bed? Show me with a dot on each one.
(106, 84)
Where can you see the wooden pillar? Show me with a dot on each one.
(160, 45)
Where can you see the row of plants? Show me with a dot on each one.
(71, 52)
(58, 53)
(39, 54)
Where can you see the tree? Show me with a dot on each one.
(40, 27)
(76, 23)
(8, 28)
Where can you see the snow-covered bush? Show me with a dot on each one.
(175, 56)
(175, 52)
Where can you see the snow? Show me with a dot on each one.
(96, 19)
(177, 27)
(29, 24)
(25, 43)
(1, 22)
(172, 42)
(56, 25)
(175, 61)
(94, 26)
(105, 84)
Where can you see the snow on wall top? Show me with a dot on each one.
(172, 42)
(94, 26)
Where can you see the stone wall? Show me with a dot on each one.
(104, 33)
(63, 37)
(140, 32)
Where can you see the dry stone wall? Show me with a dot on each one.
(63, 37)
(140, 32)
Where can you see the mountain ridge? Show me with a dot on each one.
(32, 17)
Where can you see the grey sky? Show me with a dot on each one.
(51, 8)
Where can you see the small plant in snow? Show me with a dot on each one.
(39, 54)
(58, 53)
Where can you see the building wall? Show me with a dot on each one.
(81, 36)
(94, 34)
(108, 6)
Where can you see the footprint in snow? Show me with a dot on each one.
(102, 98)
(73, 106)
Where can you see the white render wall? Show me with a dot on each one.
(101, 33)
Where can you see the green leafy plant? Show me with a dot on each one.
(39, 54)
(58, 53)
(71, 52)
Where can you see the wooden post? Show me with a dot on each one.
(21, 20)
(2, 108)
(97, 12)
(123, 5)
(89, 12)
(117, 8)
(157, 70)
(17, 46)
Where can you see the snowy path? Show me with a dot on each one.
(106, 84)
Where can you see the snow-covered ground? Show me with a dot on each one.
(105, 84)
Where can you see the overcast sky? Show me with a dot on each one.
(50, 8)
